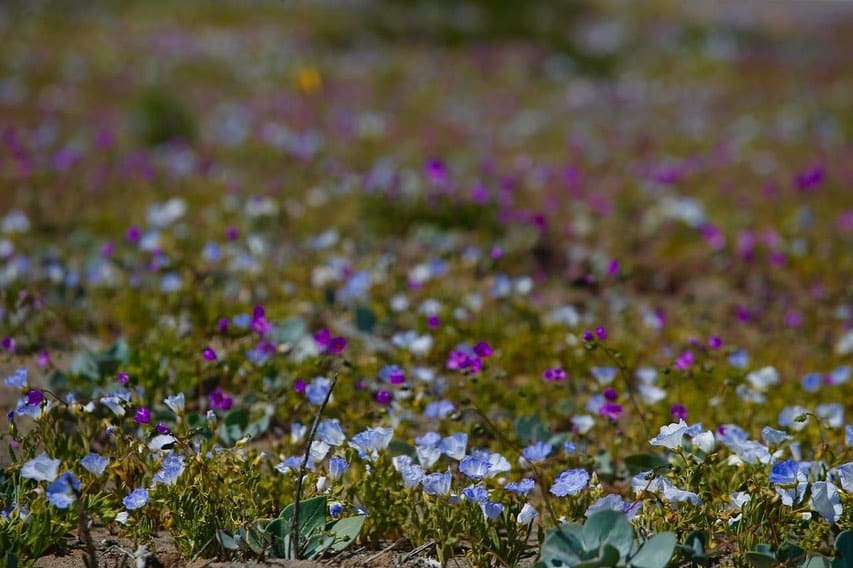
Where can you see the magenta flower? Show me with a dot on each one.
(334, 345)
(684, 361)
(35, 398)
(613, 267)
(611, 410)
(107, 249)
(554, 374)
(123, 377)
(383, 397)
(299, 385)
(143, 415)
(323, 337)
(222, 325)
(43, 359)
(209, 354)
(220, 400)
(601, 332)
(714, 342)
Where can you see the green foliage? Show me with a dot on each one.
(317, 536)
(606, 539)
(159, 116)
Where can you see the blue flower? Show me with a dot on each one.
(371, 441)
(171, 468)
(437, 483)
(337, 467)
(537, 452)
(176, 403)
(604, 375)
(522, 487)
(454, 446)
(335, 509)
(739, 359)
(812, 382)
(411, 472)
(94, 463)
(41, 468)
(330, 432)
(317, 389)
(474, 467)
(62, 492)
(570, 447)
(773, 437)
(570, 482)
(613, 502)
(18, 379)
(439, 409)
(492, 510)
(784, 472)
(136, 500)
(848, 435)
(476, 493)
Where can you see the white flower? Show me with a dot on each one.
(121, 518)
(41, 468)
(175, 403)
(705, 441)
(583, 423)
(160, 441)
(527, 514)
(763, 378)
(670, 435)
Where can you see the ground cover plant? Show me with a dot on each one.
(291, 281)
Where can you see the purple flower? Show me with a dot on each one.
(714, 342)
(209, 354)
(134, 233)
(35, 398)
(570, 482)
(123, 378)
(232, 234)
(393, 374)
(143, 415)
(299, 386)
(588, 336)
(162, 428)
(220, 400)
(554, 374)
(383, 397)
(433, 321)
(610, 394)
(8, 343)
(222, 325)
(601, 332)
(678, 411)
(483, 349)
(337, 345)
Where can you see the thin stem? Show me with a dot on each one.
(294, 527)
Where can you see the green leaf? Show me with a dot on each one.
(608, 527)
(227, 540)
(234, 426)
(655, 552)
(790, 552)
(844, 546)
(312, 515)
(607, 556)
(400, 448)
(365, 319)
(530, 429)
(639, 463)
(344, 531)
(816, 561)
(85, 364)
(761, 559)
(562, 546)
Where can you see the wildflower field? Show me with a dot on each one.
(426, 284)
